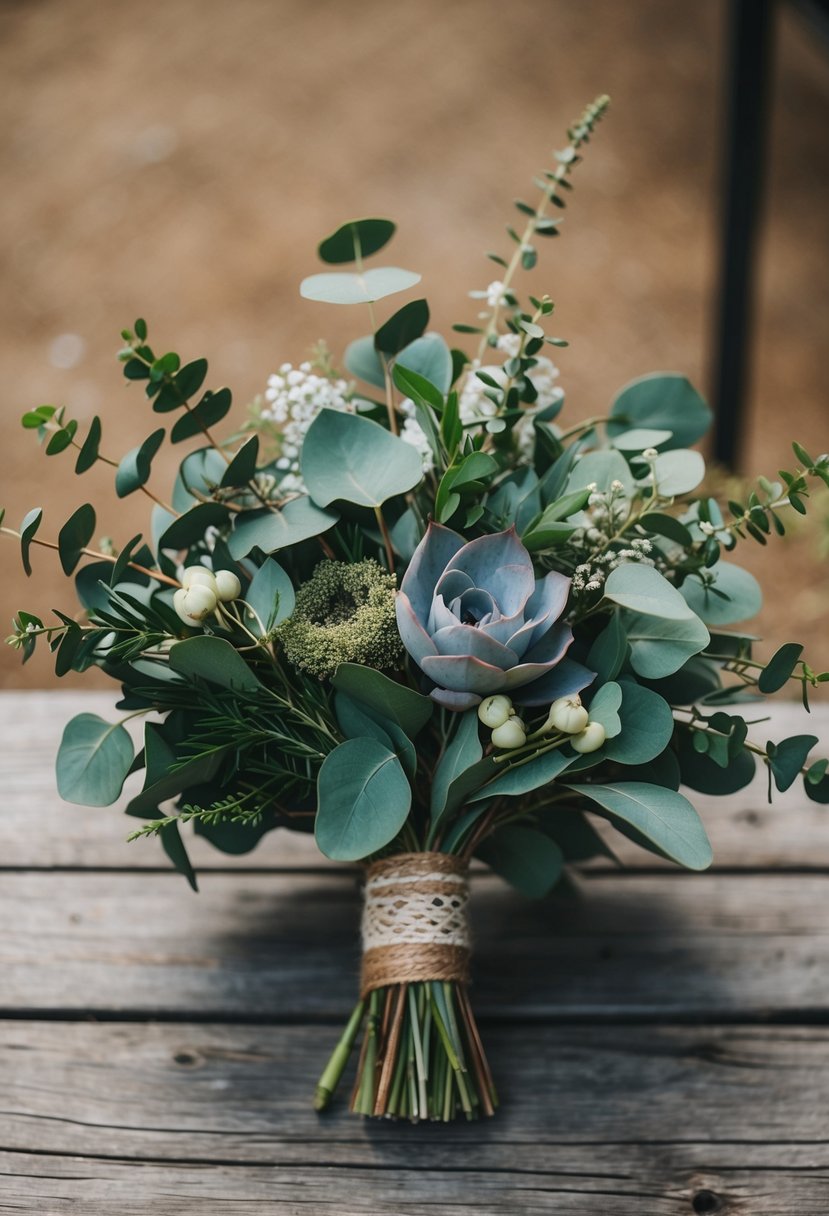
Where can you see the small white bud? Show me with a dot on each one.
(228, 586)
(705, 528)
(494, 711)
(590, 739)
(510, 734)
(567, 715)
(198, 576)
(650, 454)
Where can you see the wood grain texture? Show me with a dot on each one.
(660, 1041)
(286, 945)
(38, 829)
(594, 1120)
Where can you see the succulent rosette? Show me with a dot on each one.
(476, 621)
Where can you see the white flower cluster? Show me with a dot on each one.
(590, 576)
(295, 395)
(412, 432)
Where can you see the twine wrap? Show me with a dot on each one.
(414, 921)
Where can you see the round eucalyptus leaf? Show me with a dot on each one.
(647, 725)
(663, 401)
(363, 800)
(733, 596)
(199, 473)
(362, 360)
(640, 438)
(603, 468)
(348, 458)
(344, 288)
(357, 238)
(658, 646)
(678, 471)
(604, 708)
(431, 358)
(93, 761)
(643, 589)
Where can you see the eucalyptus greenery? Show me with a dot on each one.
(569, 645)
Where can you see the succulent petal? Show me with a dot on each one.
(466, 639)
(500, 564)
(429, 560)
(414, 636)
(463, 673)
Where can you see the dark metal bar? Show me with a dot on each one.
(749, 65)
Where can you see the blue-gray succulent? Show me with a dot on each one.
(476, 621)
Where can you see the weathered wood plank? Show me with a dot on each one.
(260, 945)
(37, 829)
(127, 1118)
(604, 1179)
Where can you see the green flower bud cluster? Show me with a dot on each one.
(202, 591)
(567, 716)
(343, 614)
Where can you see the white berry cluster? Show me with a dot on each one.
(294, 396)
(567, 718)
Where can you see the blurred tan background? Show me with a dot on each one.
(180, 159)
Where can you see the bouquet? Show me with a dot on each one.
(413, 607)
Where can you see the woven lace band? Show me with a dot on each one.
(414, 920)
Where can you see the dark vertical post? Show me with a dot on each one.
(749, 63)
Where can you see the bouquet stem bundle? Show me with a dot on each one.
(421, 1055)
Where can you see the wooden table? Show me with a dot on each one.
(662, 1043)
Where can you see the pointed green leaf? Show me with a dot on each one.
(206, 413)
(409, 709)
(271, 598)
(75, 535)
(664, 818)
(134, 470)
(463, 750)
(88, 454)
(299, 520)
(407, 324)
(28, 528)
(356, 239)
(214, 660)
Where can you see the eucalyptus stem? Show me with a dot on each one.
(104, 557)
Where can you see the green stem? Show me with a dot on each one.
(333, 1070)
